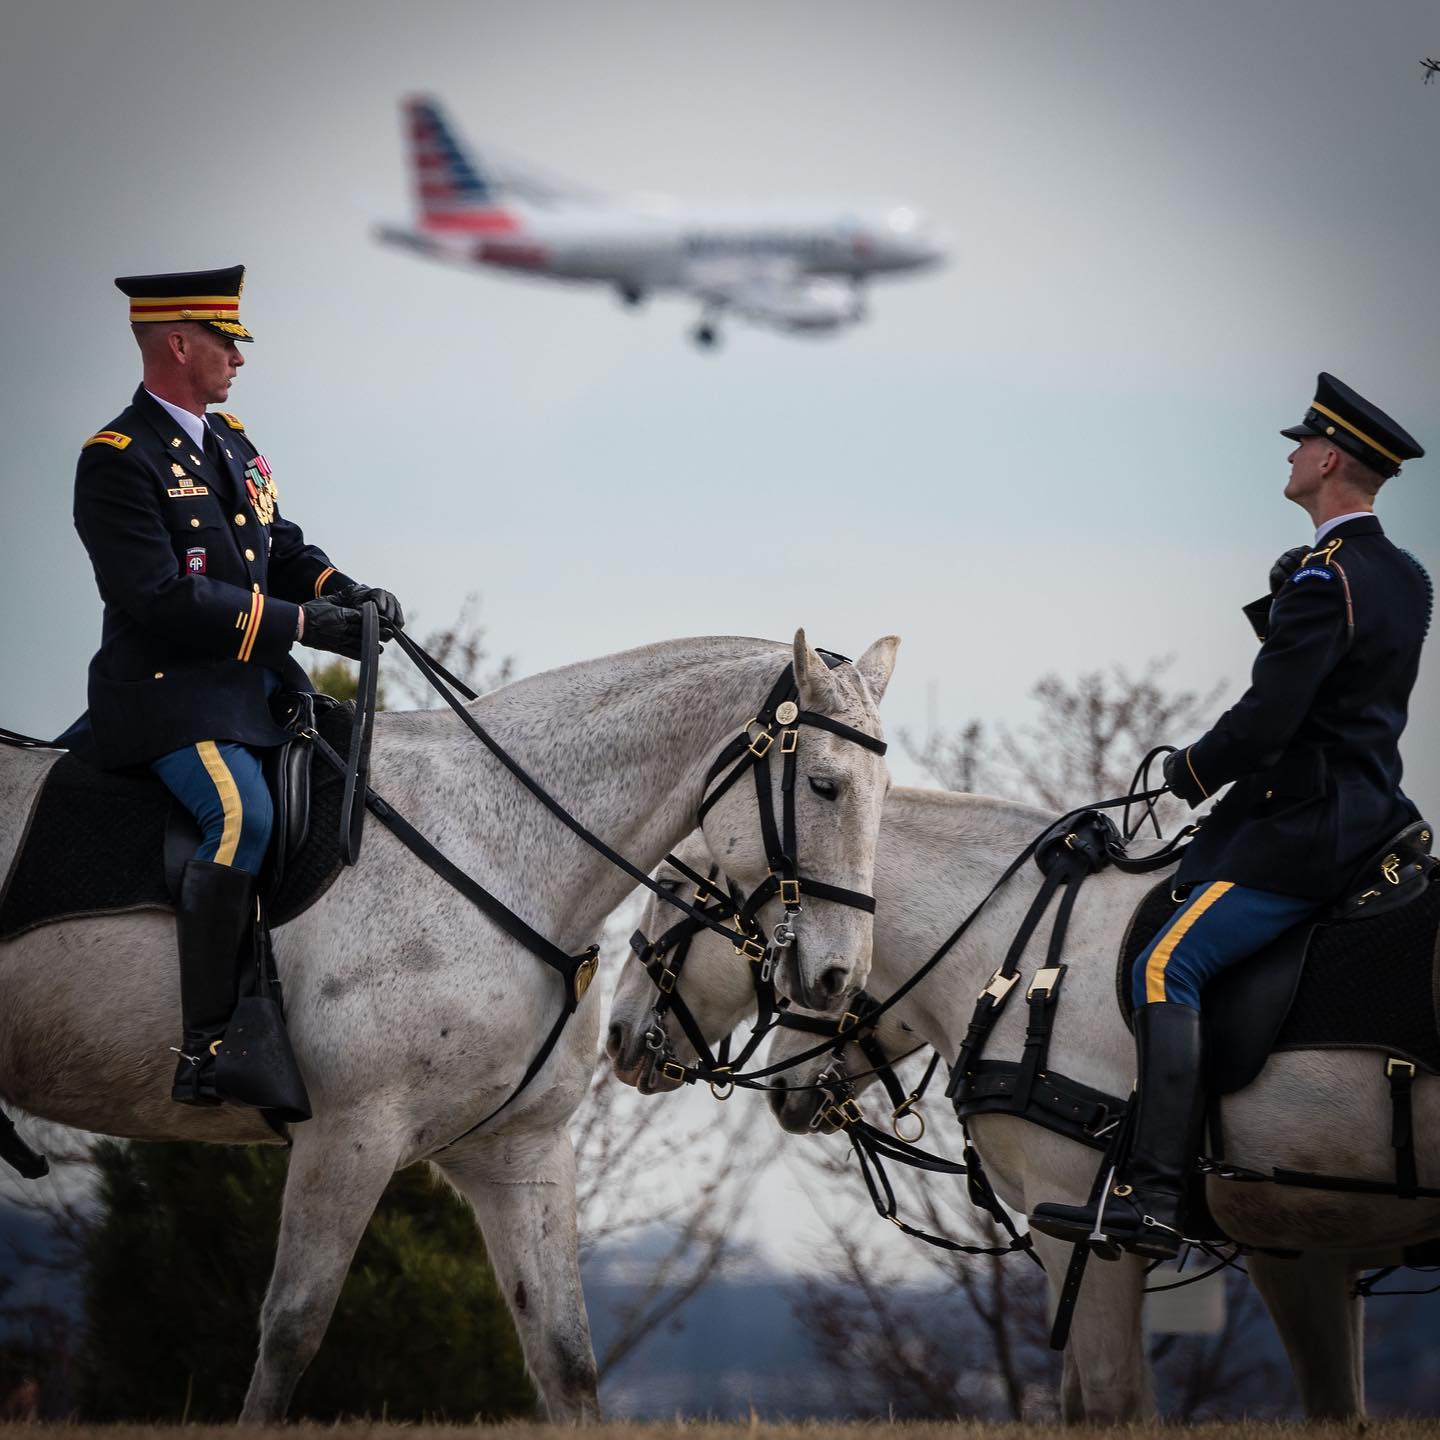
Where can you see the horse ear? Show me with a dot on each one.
(812, 676)
(876, 665)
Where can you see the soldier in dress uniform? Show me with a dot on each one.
(1312, 749)
(206, 588)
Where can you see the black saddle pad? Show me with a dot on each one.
(1366, 984)
(96, 844)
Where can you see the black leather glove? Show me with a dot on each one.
(1286, 566)
(1183, 785)
(392, 617)
(1257, 612)
(332, 627)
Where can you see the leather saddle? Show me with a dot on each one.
(1367, 967)
(101, 842)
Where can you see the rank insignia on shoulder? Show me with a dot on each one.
(233, 421)
(107, 437)
(1311, 572)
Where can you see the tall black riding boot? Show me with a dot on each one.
(1144, 1209)
(214, 924)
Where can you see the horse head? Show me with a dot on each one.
(713, 985)
(819, 783)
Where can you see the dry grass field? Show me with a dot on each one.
(755, 1430)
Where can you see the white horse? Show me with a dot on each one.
(412, 1016)
(1320, 1111)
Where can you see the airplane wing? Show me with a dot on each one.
(774, 291)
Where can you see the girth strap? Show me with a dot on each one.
(1401, 1075)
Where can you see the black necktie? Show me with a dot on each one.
(212, 449)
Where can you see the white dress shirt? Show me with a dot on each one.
(193, 425)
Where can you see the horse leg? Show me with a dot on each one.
(336, 1178)
(1311, 1299)
(1072, 1396)
(524, 1201)
(1106, 1377)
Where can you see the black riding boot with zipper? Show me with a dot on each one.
(214, 924)
(1144, 1211)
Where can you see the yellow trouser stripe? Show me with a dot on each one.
(320, 579)
(1160, 955)
(224, 781)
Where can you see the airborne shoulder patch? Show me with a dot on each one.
(233, 421)
(107, 437)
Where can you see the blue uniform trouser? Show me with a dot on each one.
(1218, 924)
(222, 785)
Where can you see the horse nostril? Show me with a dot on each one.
(832, 982)
(776, 1097)
(614, 1039)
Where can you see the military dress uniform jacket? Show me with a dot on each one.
(1313, 745)
(201, 578)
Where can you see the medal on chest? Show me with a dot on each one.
(260, 486)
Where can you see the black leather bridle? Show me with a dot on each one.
(779, 715)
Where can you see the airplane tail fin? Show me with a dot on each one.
(452, 192)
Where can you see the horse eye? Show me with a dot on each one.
(825, 789)
(668, 883)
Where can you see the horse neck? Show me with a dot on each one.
(940, 854)
(623, 743)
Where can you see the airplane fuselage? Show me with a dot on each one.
(661, 252)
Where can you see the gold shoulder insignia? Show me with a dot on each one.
(107, 437)
(233, 421)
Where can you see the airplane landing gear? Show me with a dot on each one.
(705, 335)
(630, 295)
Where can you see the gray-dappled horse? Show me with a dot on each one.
(1323, 1111)
(412, 1016)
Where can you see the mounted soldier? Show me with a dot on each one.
(1313, 750)
(206, 588)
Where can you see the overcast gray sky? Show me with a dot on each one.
(1058, 453)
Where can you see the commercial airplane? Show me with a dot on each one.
(798, 271)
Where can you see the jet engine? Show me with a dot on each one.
(813, 305)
